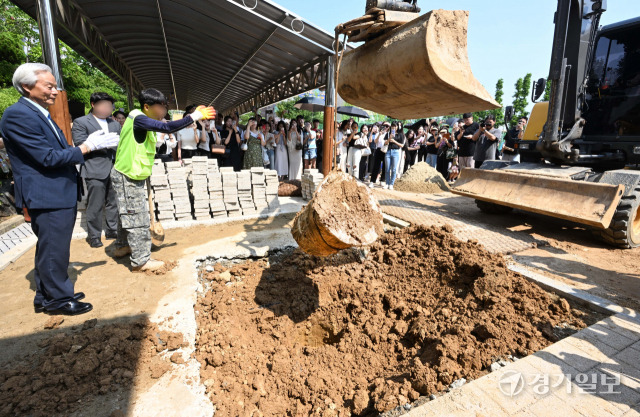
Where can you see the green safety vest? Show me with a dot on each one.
(134, 159)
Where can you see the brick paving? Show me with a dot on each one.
(15, 237)
(446, 208)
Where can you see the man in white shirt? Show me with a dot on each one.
(96, 170)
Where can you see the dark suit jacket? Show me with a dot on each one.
(98, 164)
(43, 164)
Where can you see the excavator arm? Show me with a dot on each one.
(576, 27)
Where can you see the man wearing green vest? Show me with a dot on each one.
(134, 160)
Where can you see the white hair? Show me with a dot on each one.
(27, 74)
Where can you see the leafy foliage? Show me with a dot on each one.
(521, 98)
(20, 42)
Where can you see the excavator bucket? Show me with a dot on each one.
(415, 70)
(582, 202)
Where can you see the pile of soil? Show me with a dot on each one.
(342, 213)
(422, 178)
(290, 188)
(358, 335)
(72, 366)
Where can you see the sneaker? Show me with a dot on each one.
(391, 187)
(386, 186)
(122, 252)
(151, 265)
(371, 185)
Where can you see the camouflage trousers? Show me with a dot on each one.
(133, 219)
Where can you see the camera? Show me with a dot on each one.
(483, 124)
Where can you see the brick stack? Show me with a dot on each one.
(179, 190)
(161, 192)
(259, 190)
(199, 187)
(271, 181)
(244, 193)
(216, 199)
(311, 179)
(230, 192)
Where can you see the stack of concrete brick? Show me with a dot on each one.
(244, 193)
(216, 197)
(271, 181)
(199, 187)
(165, 209)
(230, 192)
(259, 190)
(311, 179)
(179, 190)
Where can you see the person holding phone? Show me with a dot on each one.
(509, 151)
(270, 144)
(394, 142)
(255, 141)
(310, 147)
(282, 157)
(232, 139)
(379, 163)
(294, 143)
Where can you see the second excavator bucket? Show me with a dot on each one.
(415, 70)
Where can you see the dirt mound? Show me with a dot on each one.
(422, 178)
(74, 365)
(343, 213)
(347, 335)
(290, 188)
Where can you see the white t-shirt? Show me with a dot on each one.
(103, 124)
(204, 145)
(187, 138)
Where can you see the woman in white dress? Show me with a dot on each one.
(282, 158)
(294, 143)
(341, 143)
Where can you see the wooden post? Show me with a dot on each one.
(60, 114)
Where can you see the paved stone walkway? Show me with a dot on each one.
(440, 209)
(15, 237)
(594, 373)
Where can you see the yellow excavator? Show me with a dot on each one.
(580, 147)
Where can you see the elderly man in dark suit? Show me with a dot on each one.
(47, 183)
(97, 169)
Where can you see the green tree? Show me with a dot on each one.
(521, 98)
(498, 113)
(547, 91)
(286, 110)
(20, 42)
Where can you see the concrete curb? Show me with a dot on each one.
(581, 297)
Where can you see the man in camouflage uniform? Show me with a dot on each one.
(134, 160)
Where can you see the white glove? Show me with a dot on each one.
(101, 140)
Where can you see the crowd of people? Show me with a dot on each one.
(287, 146)
(375, 153)
(384, 151)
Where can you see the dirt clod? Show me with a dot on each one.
(340, 336)
(54, 322)
(343, 213)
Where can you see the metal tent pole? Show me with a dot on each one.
(50, 50)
